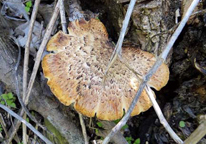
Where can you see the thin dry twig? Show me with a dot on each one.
(26, 123)
(200, 12)
(199, 68)
(24, 129)
(118, 47)
(35, 137)
(26, 58)
(83, 129)
(41, 49)
(146, 78)
(161, 117)
(62, 15)
(27, 47)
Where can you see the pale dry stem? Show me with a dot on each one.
(161, 117)
(41, 49)
(26, 59)
(63, 17)
(84, 132)
(118, 47)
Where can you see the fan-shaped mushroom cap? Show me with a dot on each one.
(76, 68)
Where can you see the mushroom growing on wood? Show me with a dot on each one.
(76, 66)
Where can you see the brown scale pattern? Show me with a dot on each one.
(76, 68)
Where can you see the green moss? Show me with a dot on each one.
(57, 138)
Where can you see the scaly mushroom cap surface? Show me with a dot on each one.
(76, 68)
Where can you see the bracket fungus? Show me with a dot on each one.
(76, 66)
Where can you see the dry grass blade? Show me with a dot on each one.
(146, 78)
(83, 129)
(41, 49)
(161, 117)
(27, 47)
(62, 15)
(118, 46)
(199, 68)
(24, 131)
(26, 58)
